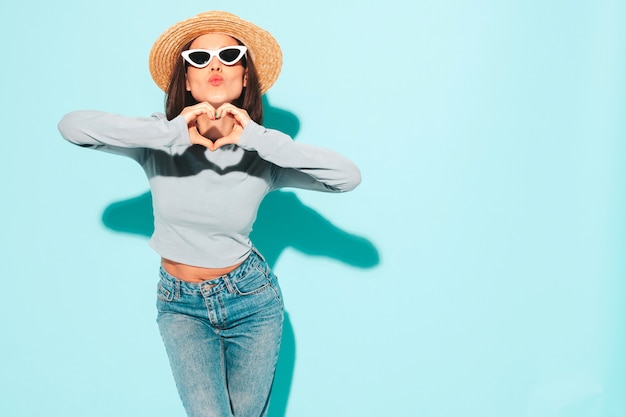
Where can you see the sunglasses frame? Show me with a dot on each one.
(214, 53)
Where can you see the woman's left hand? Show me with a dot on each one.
(241, 118)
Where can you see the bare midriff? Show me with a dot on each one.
(194, 274)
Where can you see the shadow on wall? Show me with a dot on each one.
(282, 222)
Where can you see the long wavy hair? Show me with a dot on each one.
(177, 97)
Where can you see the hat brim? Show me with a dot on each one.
(262, 46)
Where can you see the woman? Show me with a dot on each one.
(210, 162)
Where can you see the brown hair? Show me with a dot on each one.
(177, 97)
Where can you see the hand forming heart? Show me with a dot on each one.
(226, 124)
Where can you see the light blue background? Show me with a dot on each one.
(490, 137)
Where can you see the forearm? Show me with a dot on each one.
(334, 171)
(94, 128)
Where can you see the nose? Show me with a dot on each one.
(215, 64)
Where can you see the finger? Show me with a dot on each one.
(230, 139)
(206, 109)
(227, 108)
(210, 110)
(204, 142)
(241, 116)
(217, 144)
(191, 113)
(222, 110)
(226, 140)
(197, 139)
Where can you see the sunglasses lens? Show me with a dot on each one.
(230, 55)
(200, 57)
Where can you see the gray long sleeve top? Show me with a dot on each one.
(205, 202)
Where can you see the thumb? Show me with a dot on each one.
(197, 139)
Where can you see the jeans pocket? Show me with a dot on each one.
(252, 283)
(165, 292)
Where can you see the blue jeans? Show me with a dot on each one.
(222, 338)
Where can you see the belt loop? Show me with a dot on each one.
(177, 289)
(229, 285)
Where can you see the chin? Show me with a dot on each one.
(218, 101)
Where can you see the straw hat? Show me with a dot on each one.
(262, 46)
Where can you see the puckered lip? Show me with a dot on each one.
(216, 79)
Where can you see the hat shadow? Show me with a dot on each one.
(283, 221)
